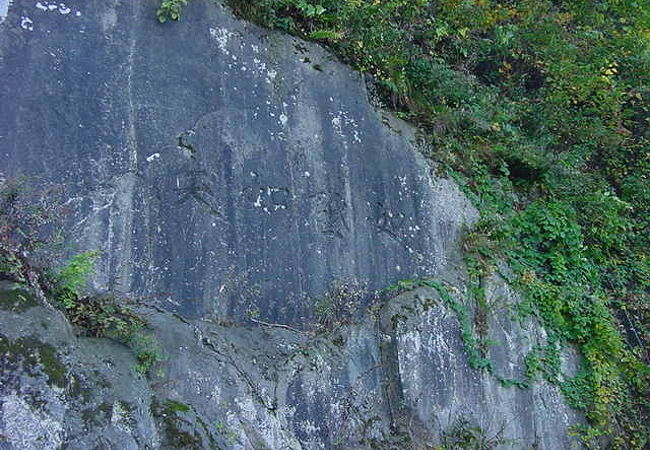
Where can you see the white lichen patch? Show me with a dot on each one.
(222, 36)
(27, 428)
(4, 9)
(271, 76)
(61, 8)
(120, 417)
(26, 23)
(342, 123)
(258, 203)
(215, 395)
(260, 65)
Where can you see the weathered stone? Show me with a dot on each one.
(381, 382)
(217, 170)
(57, 389)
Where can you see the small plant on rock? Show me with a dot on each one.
(170, 10)
(462, 434)
(102, 316)
(29, 248)
(340, 303)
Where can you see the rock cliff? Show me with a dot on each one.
(232, 178)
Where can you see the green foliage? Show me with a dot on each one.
(539, 109)
(100, 316)
(551, 239)
(544, 360)
(10, 265)
(309, 10)
(324, 35)
(170, 10)
(172, 407)
(16, 299)
(462, 435)
(340, 303)
(177, 433)
(146, 350)
(73, 277)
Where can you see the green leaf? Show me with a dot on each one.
(325, 35)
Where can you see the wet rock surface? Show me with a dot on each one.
(229, 173)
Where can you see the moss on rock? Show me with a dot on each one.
(16, 300)
(34, 357)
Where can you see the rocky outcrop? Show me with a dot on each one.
(220, 168)
(399, 378)
(227, 172)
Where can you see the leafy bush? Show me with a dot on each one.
(102, 316)
(72, 278)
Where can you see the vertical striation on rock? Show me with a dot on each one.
(214, 167)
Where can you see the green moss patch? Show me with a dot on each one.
(16, 300)
(178, 428)
(34, 357)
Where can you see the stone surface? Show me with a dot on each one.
(398, 378)
(59, 390)
(220, 168)
(225, 170)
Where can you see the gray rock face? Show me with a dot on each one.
(219, 167)
(222, 170)
(397, 379)
(58, 390)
